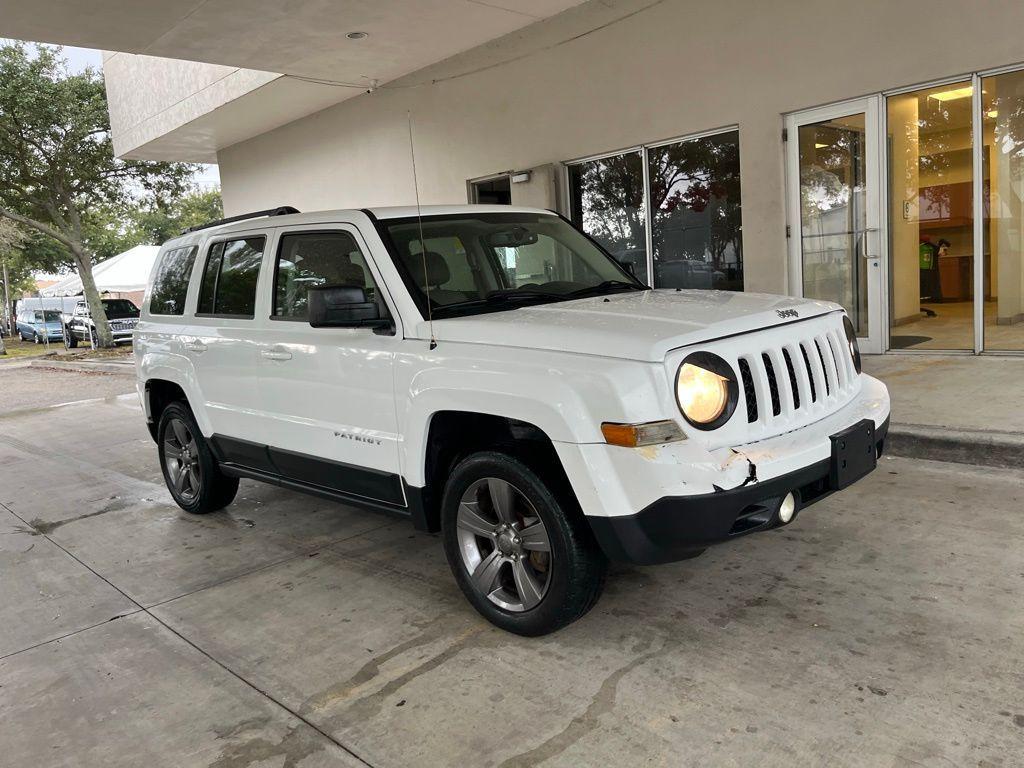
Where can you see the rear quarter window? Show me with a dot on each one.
(170, 285)
(230, 277)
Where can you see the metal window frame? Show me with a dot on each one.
(471, 183)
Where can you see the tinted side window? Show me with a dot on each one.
(321, 258)
(229, 278)
(171, 282)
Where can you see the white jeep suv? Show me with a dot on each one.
(493, 374)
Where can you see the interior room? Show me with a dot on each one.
(933, 254)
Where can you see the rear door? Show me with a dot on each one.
(327, 394)
(222, 338)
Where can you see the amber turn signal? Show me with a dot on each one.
(636, 435)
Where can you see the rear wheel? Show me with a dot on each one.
(189, 468)
(524, 559)
(93, 338)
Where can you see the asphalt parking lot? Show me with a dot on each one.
(884, 627)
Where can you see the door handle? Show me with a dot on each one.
(275, 354)
(195, 346)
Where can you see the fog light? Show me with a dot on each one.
(787, 508)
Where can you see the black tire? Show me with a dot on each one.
(35, 338)
(93, 339)
(70, 342)
(215, 490)
(575, 567)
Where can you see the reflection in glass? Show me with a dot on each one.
(931, 218)
(1003, 150)
(608, 204)
(833, 217)
(695, 194)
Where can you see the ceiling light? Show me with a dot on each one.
(956, 93)
(356, 35)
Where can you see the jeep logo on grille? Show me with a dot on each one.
(787, 313)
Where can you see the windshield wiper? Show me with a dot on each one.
(515, 294)
(508, 297)
(606, 287)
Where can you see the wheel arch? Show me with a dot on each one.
(160, 390)
(452, 435)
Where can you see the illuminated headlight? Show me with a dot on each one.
(706, 390)
(851, 339)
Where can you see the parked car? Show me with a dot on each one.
(79, 325)
(39, 325)
(392, 359)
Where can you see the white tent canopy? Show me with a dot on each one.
(124, 273)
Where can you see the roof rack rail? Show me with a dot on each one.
(282, 210)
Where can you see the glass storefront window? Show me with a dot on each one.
(693, 187)
(608, 203)
(1003, 232)
(931, 219)
(833, 214)
(695, 204)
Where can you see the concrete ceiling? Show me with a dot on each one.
(296, 37)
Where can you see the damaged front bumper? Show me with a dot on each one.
(679, 527)
(668, 502)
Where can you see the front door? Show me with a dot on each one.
(327, 394)
(834, 209)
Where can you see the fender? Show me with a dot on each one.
(158, 362)
(565, 396)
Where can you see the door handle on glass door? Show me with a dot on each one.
(195, 346)
(276, 354)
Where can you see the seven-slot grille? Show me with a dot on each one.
(811, 373)
(789, 376)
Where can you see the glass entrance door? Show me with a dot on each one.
(834, 203)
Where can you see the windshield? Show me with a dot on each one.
(114, 308)
(52, 316)
(485, 262)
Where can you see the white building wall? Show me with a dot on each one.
(150, 97)
(669, 69)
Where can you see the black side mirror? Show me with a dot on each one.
(343, 306)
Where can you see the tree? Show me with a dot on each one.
(58, 173)
(166, 219)
(11, 237)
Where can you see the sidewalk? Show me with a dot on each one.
(966, 409)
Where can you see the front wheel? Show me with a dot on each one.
(35, 338)
(524, 558)
(189, 468)
(70, 342)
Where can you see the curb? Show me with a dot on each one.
(961, 446)
(88, 366)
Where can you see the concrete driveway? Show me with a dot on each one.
(884, 627)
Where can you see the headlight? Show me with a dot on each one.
(851, 339)
(706, 390)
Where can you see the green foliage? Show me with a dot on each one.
(56, 158)
(163, 220)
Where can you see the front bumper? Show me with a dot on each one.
(679, 527)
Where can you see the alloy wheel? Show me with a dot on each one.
(181, 458)
(504, 545)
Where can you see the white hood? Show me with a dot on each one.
(635, 326)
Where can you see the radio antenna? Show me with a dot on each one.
(423, 245)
